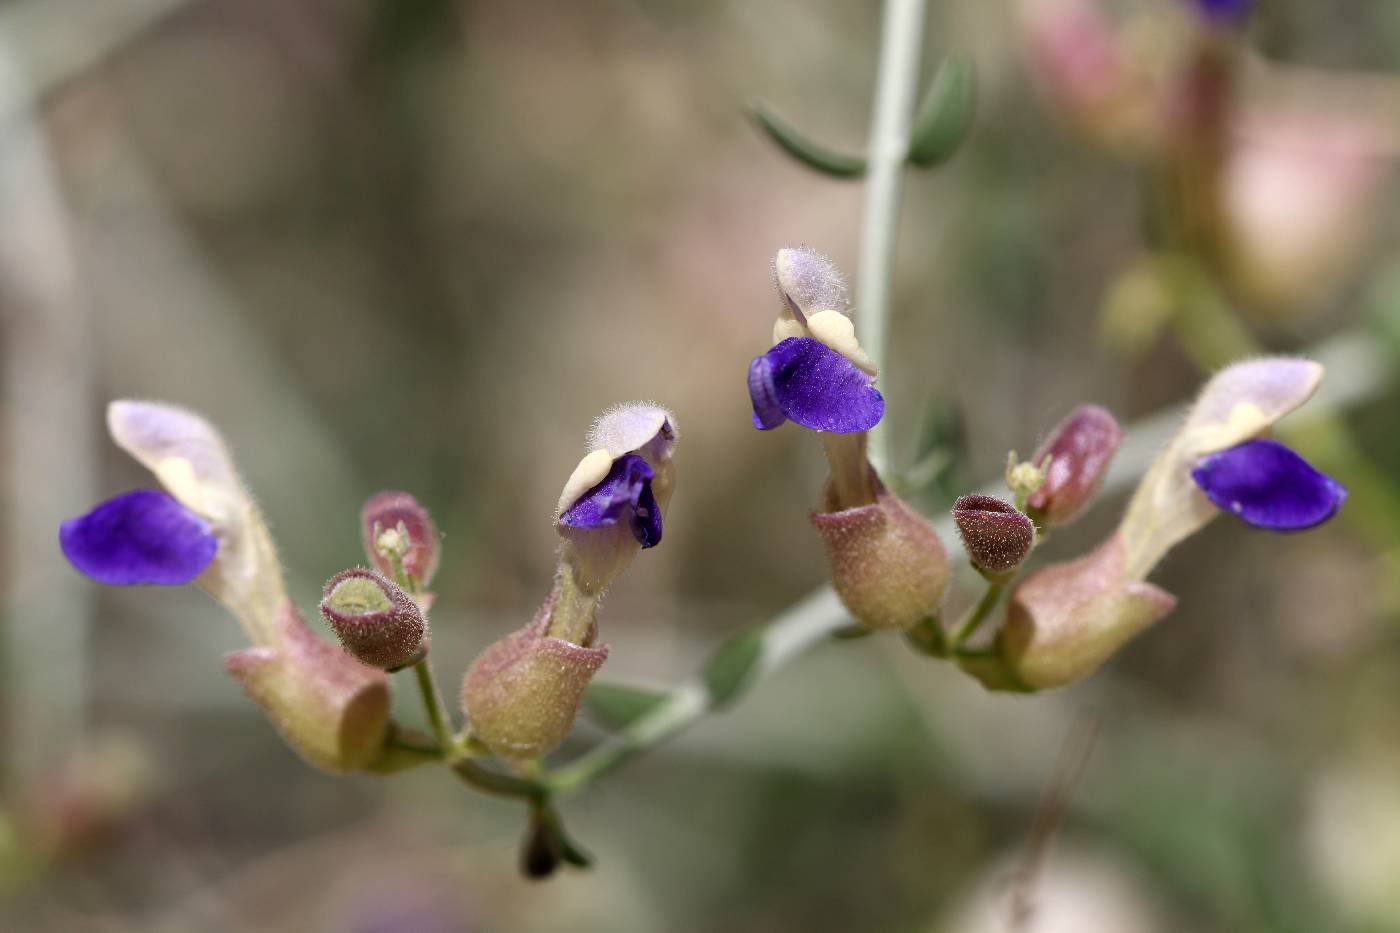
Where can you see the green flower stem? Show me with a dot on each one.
(968, 625)
(1358, 369)
(498, 784)
(438, 717)
(896, 86)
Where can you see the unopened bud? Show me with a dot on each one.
(997, 537)
(808, 282)
(333, 710)
(1067, 619)
(374, 619)
(886, 561)
(1075, 458)
(394, 525)
(522, 693)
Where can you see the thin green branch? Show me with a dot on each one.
(896, 84)
(438, 717)
(977, 614)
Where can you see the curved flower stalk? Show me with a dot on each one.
(522, 693)
(1067, 619)
(205, 527)
(886, 562)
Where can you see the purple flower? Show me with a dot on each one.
(624, 494)
(1224, 11)
(1269, 486)
(143, 536)
(804, 380)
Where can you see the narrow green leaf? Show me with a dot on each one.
(813, 155)
(616, 706)
(946, 114)
(731, 670)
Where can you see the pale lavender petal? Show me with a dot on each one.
(1269, 486)
(143, 536)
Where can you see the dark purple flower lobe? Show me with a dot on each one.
(1224, 11)
(1269, 486)
(804, 380)
(625, 494)
(143, 536)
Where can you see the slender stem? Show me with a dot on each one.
(790, 635)
(969, 623)
(901, 38)
(502, 785)
(432, 702)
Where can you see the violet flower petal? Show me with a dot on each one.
(1269, 486)
(139, 537)
(624, 494)
(804, 380)
(1224, 11)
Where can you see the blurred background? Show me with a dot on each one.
(420, 244)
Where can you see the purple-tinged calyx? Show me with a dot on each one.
(410, 530)
(140, 537)
(1269, 486)
(1078, 452)
(374, 619)
(996, 536)
(624, 495)
(805, 381)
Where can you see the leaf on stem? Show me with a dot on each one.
(811, 154)
(945, 117)
(616, 706)
(732, 669)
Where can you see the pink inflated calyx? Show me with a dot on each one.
(885, 560)
(332, 709)
(374, 619)
(522, 693)
(1067, 619)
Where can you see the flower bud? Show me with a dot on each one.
(886, 561)
(1078, 452)
(1067, 619)
(332, 710)
(522, 693)
(374, 619)
(393, 522)
(997, 537)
